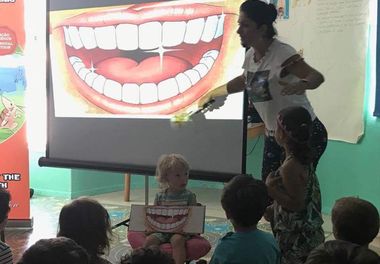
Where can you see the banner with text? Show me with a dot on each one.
(14, 162)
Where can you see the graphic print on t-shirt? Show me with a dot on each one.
(258, 86)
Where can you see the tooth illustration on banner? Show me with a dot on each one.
(9, 115)
(143, 59)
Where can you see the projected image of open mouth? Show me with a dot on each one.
(146, 58)
(167, 219)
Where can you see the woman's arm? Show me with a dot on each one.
(294, 183)
(234, 86)
(310, 77)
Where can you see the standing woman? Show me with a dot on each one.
(275, 77)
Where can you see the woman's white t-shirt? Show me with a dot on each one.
(262, 83)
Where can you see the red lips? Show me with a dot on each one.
(142, 13)
(114, 65)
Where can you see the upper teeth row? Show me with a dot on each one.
(150, 35)
(147, 92)
(167, 211)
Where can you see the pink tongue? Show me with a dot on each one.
(166, 220)
(125, 70)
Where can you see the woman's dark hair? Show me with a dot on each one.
(342, 252)
(296, 123)
(87, 222)
(245, 199)
(262, 13)
(5, 197)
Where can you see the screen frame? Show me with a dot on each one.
(47, 161)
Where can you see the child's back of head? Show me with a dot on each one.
(355, 220)
(296, 124)
(88, 223)
(60, 250)
(244, 200)
(148, 255)
(4, 206)
(342, 252)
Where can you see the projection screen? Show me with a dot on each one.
(125, 79)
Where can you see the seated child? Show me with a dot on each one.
(88, 223)
(60, 250)
(148, 255)
(5, 251)
(172, 173)
(342, 252)
(244, 200)
(297, 219)
(355, 220)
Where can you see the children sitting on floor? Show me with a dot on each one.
(59, 250)
(173, 174)
(244, 200)
(355, 220)
(147, 255)
(342, 252)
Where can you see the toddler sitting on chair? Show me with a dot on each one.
(172, 173)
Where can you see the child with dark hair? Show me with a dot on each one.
(59, 250)
(244, 200)
(297, 219)
(342, 252)
(88, 223)
(355, 220)
(5, 251)
(147, 255)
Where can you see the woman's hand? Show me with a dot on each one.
(272, 181)
(205, 99)
(309, 77)
(269, 213)
(220, 91)
(297, 88)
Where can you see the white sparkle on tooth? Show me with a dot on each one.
(92, 68)
(220, 27)
(161, 50)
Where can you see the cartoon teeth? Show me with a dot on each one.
(146, 36)
(165, 227)
(166, 218)
(143, 59)
(145, 93)
(167, 211)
